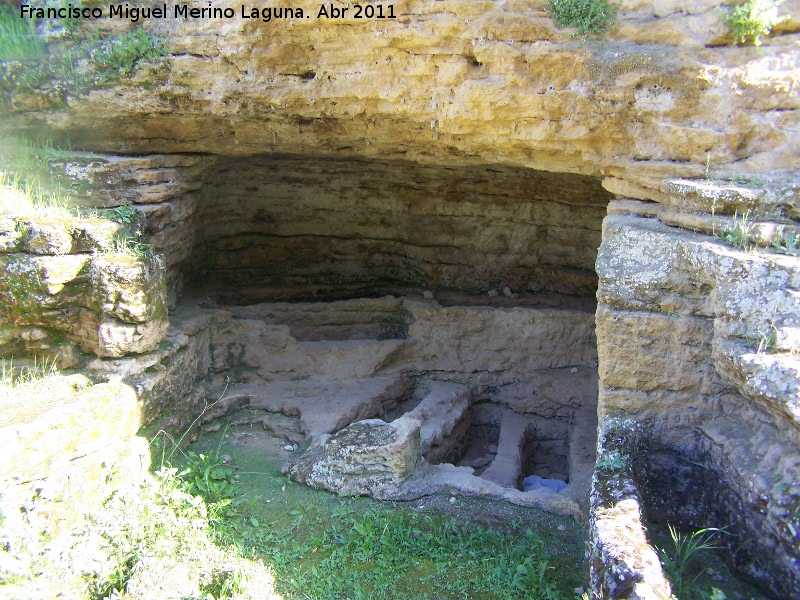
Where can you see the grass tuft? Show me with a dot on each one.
(87, 59)
(39, 370)
(679, 560)
(125, 51)
(787, 243)
(18, 39)
(740, 234)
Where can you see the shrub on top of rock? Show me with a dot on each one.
(590, 17)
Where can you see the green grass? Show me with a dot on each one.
(590, 17)
(39, 370)
(681, 562)
(321, 546)
(278, 539)
(154, 529)
(26, 185)
(787, 243)
(28, 189)
(121, 54)
(88, 59)
(28, 160)
(754, 181)
(740, 234)
(18, 39)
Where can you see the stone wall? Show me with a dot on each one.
(697, 345)
(69, 286)
(292, 227)
(300, 227)
(162, 188)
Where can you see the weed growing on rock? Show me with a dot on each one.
(679, 559)
(740, 234)
(613, 461)
(88, 59)
(28, 188)
(124, 214)
(749, 21)
(787, 243)
(590, 17)
(766, 343)
(753, 181)
(126, 242)
(121, 54)
(137, 247)
(40, 369)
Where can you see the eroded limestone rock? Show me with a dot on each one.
(503, 85)
(109, 304)
(366, 458)
(699, 392)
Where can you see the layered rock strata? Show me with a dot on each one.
(697, 345)
(663, 96)
(66, 288)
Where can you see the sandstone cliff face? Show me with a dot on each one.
(300, 227)
(697, 345)
(65, 287)
(459, 82)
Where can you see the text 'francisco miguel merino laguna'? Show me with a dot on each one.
(186, 11)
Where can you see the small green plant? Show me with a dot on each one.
(127, 243)
(749, 21)
(222, 585)
(155, 523)
(787, 243)
(18, 39)
(613, 461)
(754, 181)
(766, 343)
(124, 214)
(740, 234)
(210, 476)
(125, 51)
(590, 17)
(679, 559)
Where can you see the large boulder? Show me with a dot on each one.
(369, 457)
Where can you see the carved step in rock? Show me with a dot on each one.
(506, 469)
(322, 406)
(440, 412)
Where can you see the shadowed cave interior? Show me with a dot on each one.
(360, 289)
